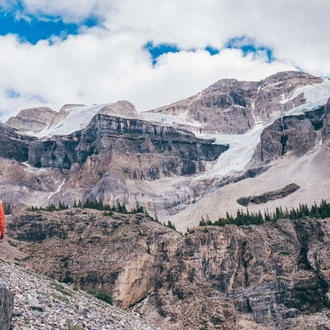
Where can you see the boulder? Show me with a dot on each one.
(6, 305)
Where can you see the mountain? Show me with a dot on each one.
(197, 156)
(235, 147)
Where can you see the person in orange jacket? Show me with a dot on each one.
(2, 223)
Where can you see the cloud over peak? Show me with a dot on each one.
(148, 52)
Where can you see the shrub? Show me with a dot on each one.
(103, 295)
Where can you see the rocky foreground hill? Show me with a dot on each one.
(271, 276)
(43, 304)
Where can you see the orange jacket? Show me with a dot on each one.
(2, 222)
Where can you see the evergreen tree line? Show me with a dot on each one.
(319, 211)
(107, 208)
(93, 204)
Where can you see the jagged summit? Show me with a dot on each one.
(230, 106)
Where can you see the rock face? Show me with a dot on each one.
(293, 134)
(112, 150)
(6, 305)
(276, 275)
(233, 107)
(270, 100)
(120, 109)
(123, 250)
(14, 145)
(108, 134)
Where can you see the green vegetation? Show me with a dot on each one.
(170, 225)
(49, 208)
(103, 295)
(108, 210)
(60, 288)
(74, 327)
(93, 204)
(242, 218)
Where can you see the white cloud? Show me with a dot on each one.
(105, 65)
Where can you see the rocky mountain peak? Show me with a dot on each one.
(32, 119)
(285, 75)
(220, 84)
(230, 106)
(67, 107)
(120, 109)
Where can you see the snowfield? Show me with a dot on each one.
(77, 118)
(315, 95)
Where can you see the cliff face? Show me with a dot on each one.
(111, 151)
(6, 305)
(272, 276)
(293, 134)
(14, 145)
(275, 272)
(108, 134)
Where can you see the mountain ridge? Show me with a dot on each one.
(282, 118)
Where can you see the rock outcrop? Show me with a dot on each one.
(13, 144)
(108, 134)
(269, 196)
(296, 135)
(6, 305)
(274, 276)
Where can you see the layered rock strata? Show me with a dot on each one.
(33, 119)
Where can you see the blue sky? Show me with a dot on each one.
(32, 29)
(160, 49)
(146, 51)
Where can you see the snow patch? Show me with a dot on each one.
(180, 118)
(57, 190)
(240, 152)
(31, 169)
(77, 118)
(315, 95)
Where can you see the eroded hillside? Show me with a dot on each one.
(275, 275)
